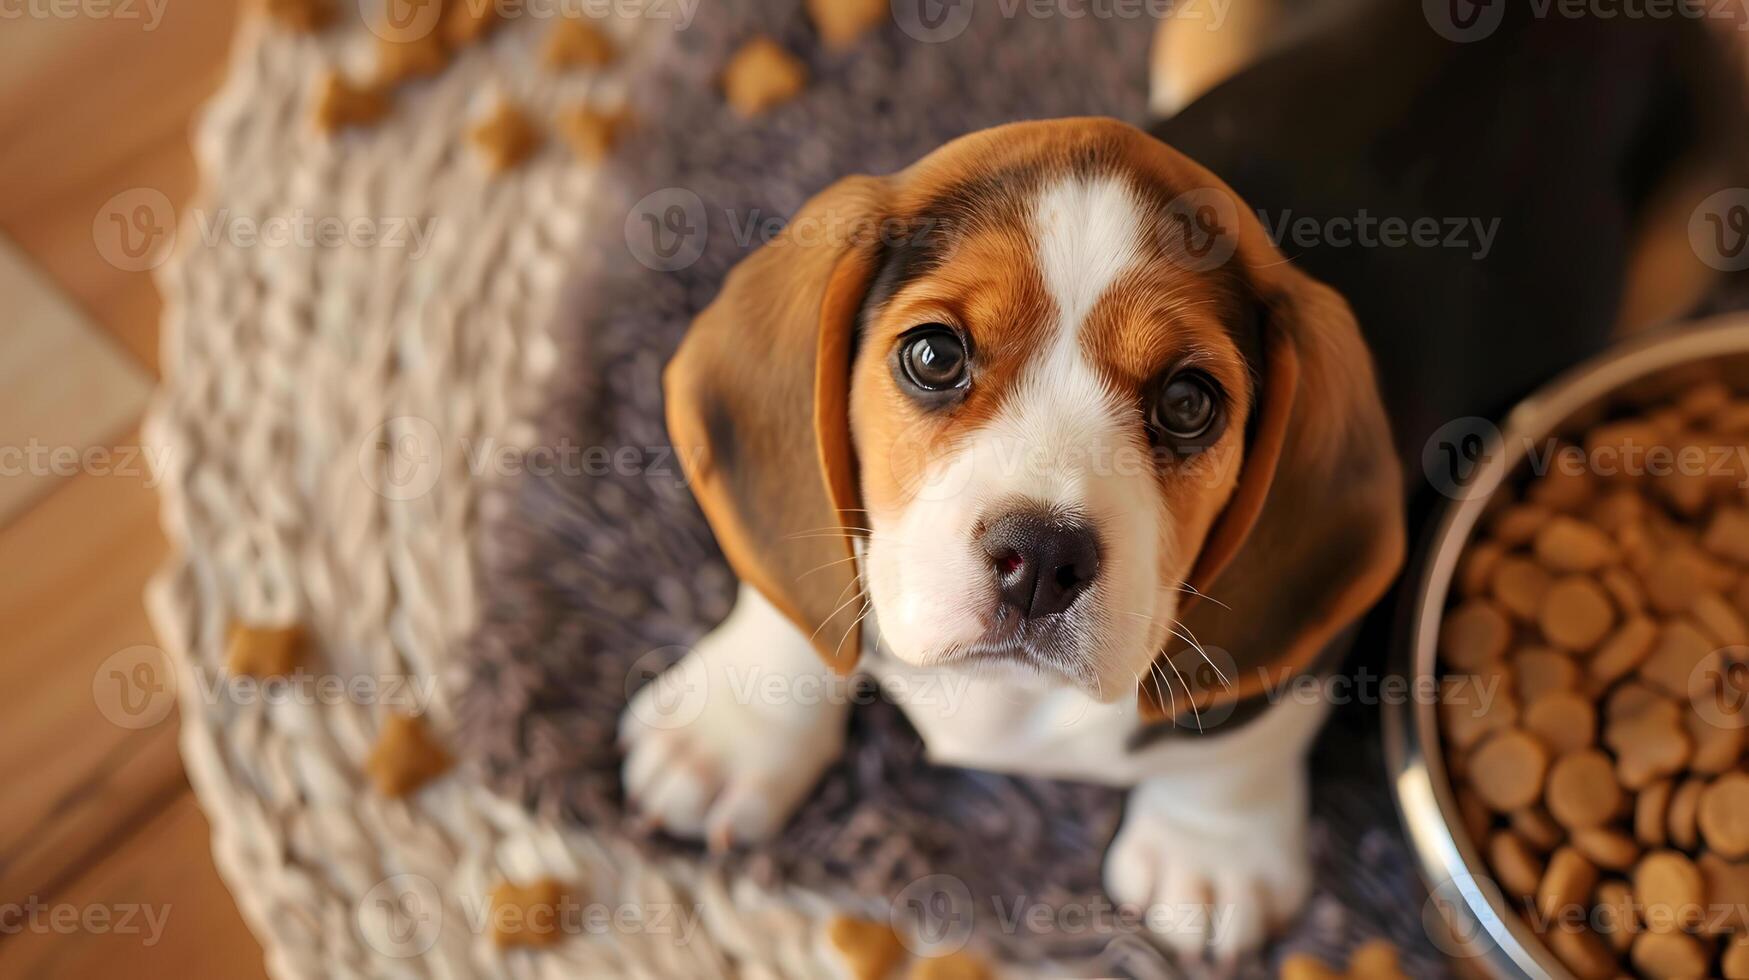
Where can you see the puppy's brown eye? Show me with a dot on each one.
(1187, 408)
(933, 358)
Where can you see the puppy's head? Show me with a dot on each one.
(1056, 385)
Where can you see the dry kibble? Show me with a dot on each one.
(1736, 959)
(528, 915)
(1703, 400)
(1582, 791)
(1609, 849)
(574, 43)
(1723, 816)
(1582, 951)
(1566, 886)
(1625, 650)
(1476, 567)
(1519, 586)
(1649, 743)
(1375, 959)
(868, 949)
(1567, 486)
(505, 138)
(1471, 706)
(1565, 721)
(341, 103)
(1617, 916)
(1576, 613)
(1631, 698)
(1682, 819)
(1567, 544)
(1727, 894)
(1669, 890)
(1534, 825)
(1716, 747)
(1727, 534)
(1474, 635)
(1623, 590)
(1507, 770)
(1543, 671)
(264, 652)
(761, 76)
(591, 134)
(406, 757)
(1519, 524)
(1651, 813)
(1617, 509)
(1722, 623)
(1669, 956)
(842, 22)
(1514, 863)
(1674, 579)
(1680, 649)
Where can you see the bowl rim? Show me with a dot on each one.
(1494, 936)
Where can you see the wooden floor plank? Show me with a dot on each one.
(179, 919)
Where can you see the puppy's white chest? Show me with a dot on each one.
(1014, 724)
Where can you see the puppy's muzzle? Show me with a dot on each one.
(1042, 561)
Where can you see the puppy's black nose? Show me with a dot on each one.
(1042, 561)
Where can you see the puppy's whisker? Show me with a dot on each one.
(1186, 587)
(1190, 638)
(1187, 694)
(834, 614)
(866, 609)
(821, 568)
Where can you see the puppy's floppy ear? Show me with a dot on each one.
(1313, 534)
(758, 410)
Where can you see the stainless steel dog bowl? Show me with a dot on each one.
(1466, 915)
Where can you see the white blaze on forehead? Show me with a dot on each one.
(1087, 232)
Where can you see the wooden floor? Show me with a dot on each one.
(105, 863)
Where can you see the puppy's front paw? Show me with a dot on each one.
(1211, 876)
(711, 756)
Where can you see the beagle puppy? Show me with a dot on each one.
(1002, 407)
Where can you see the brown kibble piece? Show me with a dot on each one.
(1616, 916)
(1623, 590)
(1519, 586)
(1543, 671)
(1476, 567)
(1375, 959)
(761, 76)
(1582, 791)
(1631, 698)
(1567, 544)
(1669, 956)
(1727, 534)
(1519, 523)
(1567, 486)
(1576, 613)
(1565, 721)
(1609, 849)
(574, 43)
(528, 915)
(1679, 652)
(303, 16)
(591, 134)
(264, 651)
(959, 965)
(1675, 578)
(1582, 951)
(1649, 744)
(1471, 706)
(1716, 747)
(841, 22)
(405, 757)
(1507, 770)
(1537, 828)
(1682, 819)
(1735, 962)
(1723, 816)
(1651, 813)
(1727, 894)
(1305, 966)
(1721, 621)
(505, 138)
(1473, 636)
(1514, 863)
(1566, 885)
(341, 103)
(401, 60)
(869, 949)
(1625, 650)
(1669, 890)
